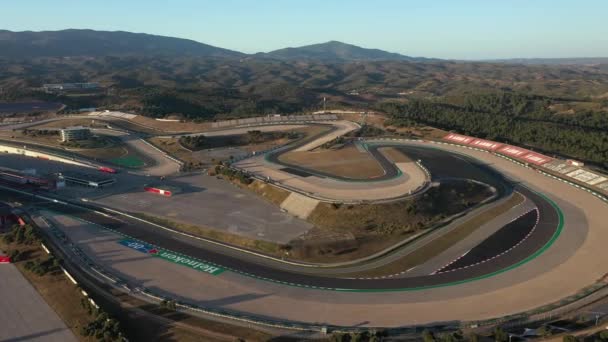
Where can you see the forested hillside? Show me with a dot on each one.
(520, 119)
(205, 88)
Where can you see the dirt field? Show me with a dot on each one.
(346, 162)
(174, 148)
(271, 193)
(419, 132)
(347, 232)
(67, 122)
(381, 121)
(209, 157)
(172, 126)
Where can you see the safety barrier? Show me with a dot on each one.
(161, 192)
(67, 274)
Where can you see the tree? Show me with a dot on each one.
(570, 338)
(15, 255)
(500, 335)
(428, 336)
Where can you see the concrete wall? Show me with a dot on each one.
(41, 155)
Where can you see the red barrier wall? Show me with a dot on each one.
(461, 139)
(536, 158)
(522, 154)
(513, 151)
(106, 169)
(162, 192)
(486, 144)
(5, 259)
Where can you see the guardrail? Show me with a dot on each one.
(44, 151)
(164, 153)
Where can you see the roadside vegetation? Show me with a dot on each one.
(345, 232)
(520, 119)
(200, 142)
(233, 174)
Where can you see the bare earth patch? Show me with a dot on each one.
(270, 193)
(346, 162)
(348, 232)
(172, 126)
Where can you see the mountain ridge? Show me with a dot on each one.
(95, 43)
(87, 42)
(336, 50)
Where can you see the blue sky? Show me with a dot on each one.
(461, 29)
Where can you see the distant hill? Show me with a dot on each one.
(74, 42)
(101, 43)
(554, 61)
(336, 51)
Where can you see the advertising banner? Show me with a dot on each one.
(461, 139)
(485, 144)
(536, 158)
(513, 151)
(172, 257)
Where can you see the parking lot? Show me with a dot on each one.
(24, 315)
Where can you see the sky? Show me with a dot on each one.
(452, 29)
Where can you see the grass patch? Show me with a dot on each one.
(437, 246)
(347, 232)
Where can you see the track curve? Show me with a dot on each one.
(546, 231)
(470, 300)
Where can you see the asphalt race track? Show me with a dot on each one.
(436, 161)
(541, 247)
(507, 238)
